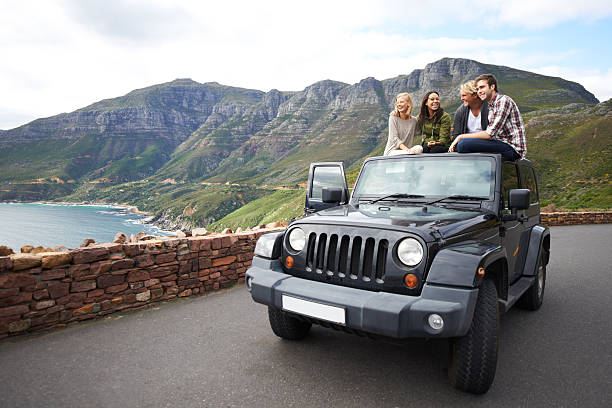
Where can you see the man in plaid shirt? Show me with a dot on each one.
(505, 133)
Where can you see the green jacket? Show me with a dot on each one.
(440, 132)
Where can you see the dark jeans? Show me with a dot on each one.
(435, 149)
(487, 146)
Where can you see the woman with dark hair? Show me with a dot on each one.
(434, 124)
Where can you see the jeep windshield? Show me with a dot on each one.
(426, 179)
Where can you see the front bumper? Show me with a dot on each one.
(381, 313)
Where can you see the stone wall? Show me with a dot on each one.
(575, 218)
(52, 289)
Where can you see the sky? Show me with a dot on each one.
(60, 55)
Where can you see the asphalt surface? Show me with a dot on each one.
(218, 351)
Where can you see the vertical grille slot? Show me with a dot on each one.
(368, 258)
(310, 264)
(332, 262)
(381, 260)
(344, 250)
(320, 254)
(355, 262)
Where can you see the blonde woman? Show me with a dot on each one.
(402, 127)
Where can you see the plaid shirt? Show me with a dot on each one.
(506, 124)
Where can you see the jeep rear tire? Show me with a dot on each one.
(286, 326)
(474, 356)
(533, 298)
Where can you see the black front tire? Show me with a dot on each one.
(533, 298)
(474, 356)
(286, 326)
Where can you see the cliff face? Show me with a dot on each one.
(190, 131)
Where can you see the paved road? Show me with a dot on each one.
(218, 351)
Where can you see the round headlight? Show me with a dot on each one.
(410, 252)
(297, 239)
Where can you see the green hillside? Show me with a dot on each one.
(571, 150)
(282, 205)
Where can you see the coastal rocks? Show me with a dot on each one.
(120, 238)
(188, 211)
(29, 249)
(146, 237)
(4, 251)
(87, 242)
(199, 231)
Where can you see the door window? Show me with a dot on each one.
(528, 180)
(509, 180)
(326, 176)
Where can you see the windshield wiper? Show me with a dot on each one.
(397, 196)
(458, 197)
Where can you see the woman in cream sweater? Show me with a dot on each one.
(402, 128)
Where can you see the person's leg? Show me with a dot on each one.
(438, 149)
(487, 146)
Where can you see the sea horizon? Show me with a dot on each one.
(51, 224)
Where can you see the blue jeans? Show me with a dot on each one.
(487, 146)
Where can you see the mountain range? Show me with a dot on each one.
(174, 136)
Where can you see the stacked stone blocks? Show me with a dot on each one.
(52, 289)
(576, 218)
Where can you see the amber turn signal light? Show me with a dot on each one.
(481, 272)
(289, 261)
(411, 280)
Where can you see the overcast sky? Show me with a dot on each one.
(61, 55)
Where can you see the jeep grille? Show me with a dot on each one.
(359, 258)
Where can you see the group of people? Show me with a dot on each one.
(487, 122)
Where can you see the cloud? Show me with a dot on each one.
(538, 14)
(130, 20)
(58, 56)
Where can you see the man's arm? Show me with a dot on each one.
(477, 135)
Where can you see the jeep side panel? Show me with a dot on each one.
(458, 264)
(539, 241)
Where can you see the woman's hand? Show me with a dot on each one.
(432, 143)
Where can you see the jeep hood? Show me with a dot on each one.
(410, 218)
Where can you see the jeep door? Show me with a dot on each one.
(329, 176)
(511, 230)
(530, 217)
(528, 180)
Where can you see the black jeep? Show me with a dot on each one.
(426, 246)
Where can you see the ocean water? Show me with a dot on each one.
(54, 224)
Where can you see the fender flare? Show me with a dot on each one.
(457, 265)
(538, 238)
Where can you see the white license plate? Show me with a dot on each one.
(321, 311)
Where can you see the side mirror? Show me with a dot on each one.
(331, 195)
(518, 199)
